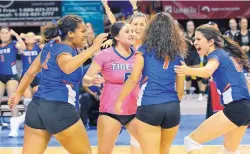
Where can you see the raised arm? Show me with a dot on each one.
(69, 64)
(109, 13)
(134, 6)
(20, 45)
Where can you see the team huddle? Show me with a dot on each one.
(142, 73)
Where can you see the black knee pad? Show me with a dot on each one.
(188, 78)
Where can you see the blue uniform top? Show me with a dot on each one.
(93, 88)
(160, 85)
(8, 59)
(55, 85)
(229, 77)
(28, 56)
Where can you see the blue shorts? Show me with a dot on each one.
(165, 115)
(53, 116)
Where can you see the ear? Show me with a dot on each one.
(117, 39)
(211, 42)
(71, 34)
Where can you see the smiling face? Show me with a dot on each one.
(126, 35)
(79, 35)
(139, 24)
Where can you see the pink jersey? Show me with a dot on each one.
(116, 70)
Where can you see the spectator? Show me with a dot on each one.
(233, 29)
(243, 36)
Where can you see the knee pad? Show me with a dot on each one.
(26, 101)
(188, 78)
(134, 142)
(191, 144)
(199, 79)
(225, 151)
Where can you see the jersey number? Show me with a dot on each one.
(2, 58)
(166, 63)
(29, 59)
(237, 66)
(44, 65)
(126, 76)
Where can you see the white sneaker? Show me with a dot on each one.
(5, 125)
(200, 99)
(14, 126)
(13, 134)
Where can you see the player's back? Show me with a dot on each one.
(160, 85)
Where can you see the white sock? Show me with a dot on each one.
(26, 102)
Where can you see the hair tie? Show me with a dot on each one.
(59, 32)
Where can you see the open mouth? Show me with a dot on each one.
(198, 50)
(131, 38)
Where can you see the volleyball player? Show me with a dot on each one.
(8, 71)
(158, 113)
(225, 65)
(115, 64)
(52, 110)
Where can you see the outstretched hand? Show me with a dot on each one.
(97, 80)
(181, 69)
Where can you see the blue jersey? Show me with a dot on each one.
(229, 77)
(161, 79)
(28, 56)
(8, 59)
(55, 85)
(93, 88)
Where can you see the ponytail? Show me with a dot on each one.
(50, 31)
(235, 50)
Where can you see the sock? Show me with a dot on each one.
(202, 92)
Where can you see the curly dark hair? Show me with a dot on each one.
(229, 45)
(163, 36)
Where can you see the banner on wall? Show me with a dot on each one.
(207, 9)
(90, 11)
(28, 13)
